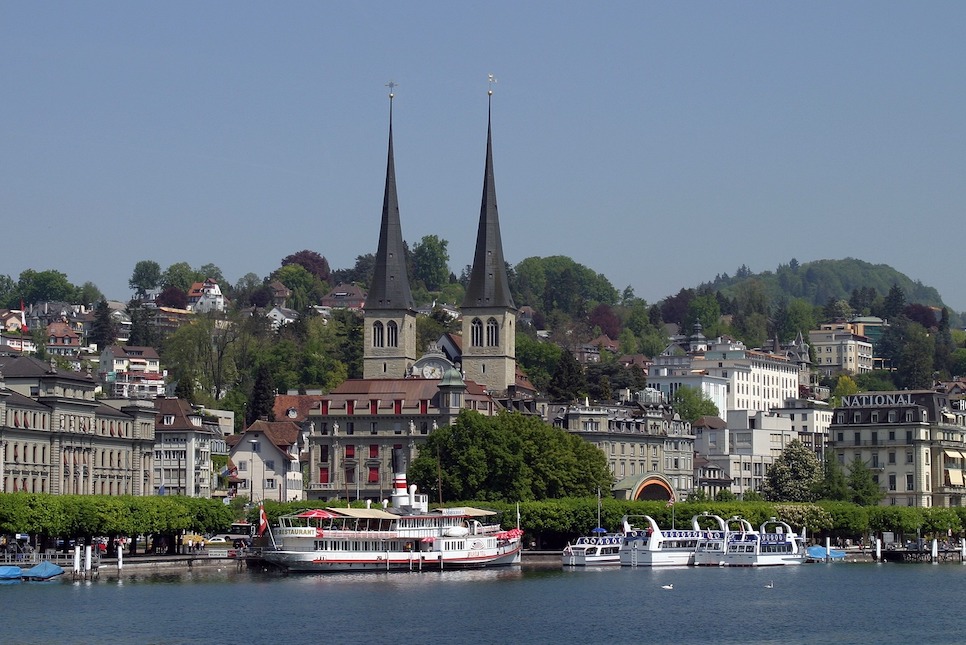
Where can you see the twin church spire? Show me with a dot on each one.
(488, 311)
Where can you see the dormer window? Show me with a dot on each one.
(168, 420)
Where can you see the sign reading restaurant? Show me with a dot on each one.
(876, 400)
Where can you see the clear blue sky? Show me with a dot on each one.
(656, 143)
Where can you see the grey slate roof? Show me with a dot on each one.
(390, 282)
(489, 285)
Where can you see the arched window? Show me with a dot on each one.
(476, 333)
(392, 334)
(492, 333)
(377, 338)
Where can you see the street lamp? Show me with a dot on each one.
(255, 443)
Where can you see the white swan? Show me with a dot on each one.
(667, 587)
(770, 585)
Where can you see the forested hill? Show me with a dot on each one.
(823, 280)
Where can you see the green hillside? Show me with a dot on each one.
(823, 280)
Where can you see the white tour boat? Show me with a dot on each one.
(599, 548)
(407, 536)
(774, 544)
(651, 546)
(593, 550)
(711, 545)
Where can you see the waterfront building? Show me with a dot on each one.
(649, 448)
(55, 437)
(913, 440)
(184, 438)
(269, 456)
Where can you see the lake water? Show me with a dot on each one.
(814, 603)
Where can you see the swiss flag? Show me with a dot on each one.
(23, 320)
(262, 520)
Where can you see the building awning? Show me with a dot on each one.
(955, 477)
(952, 454)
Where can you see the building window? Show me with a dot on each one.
(350, 452)
(908, 456)
(892, 481)
(492, 333)
(910, 483)
(476, 333)
(377, 334)
(373, 451)
(392, 334)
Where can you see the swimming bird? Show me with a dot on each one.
(667, 587)
(770, 585)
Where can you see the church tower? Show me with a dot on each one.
(390, 317)
(489, 315)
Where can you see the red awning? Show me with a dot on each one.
(318, 514)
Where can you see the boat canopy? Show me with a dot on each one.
(468, 511)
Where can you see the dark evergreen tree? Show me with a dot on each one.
(143, 331)
(103, 329)
(261, 403)
(833, 486)
(568, 382)
(863, 488)
(895, 302)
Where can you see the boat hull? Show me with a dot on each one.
(319, 561)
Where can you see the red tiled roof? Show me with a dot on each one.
(301, 403)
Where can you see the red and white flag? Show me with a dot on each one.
(23, 320)
(262, 520)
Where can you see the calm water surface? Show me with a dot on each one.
(816, 603)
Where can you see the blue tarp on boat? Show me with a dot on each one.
(818, 553)
(44, 570)
(8, 572)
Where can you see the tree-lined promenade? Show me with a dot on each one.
(48, 518)
(548, 524)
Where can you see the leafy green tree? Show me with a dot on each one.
(41, 286)
(311, 261)
(538, 359)
(212, 271)
(751, 315)
(691, 404)
(88, 293)
(568, 382)
(875, 381)
(704, 309)
(864, 489)
(794, 476)
(360, 273)
(146, 277)
(507, 458)
(103, 329)
(431, 262)
(180, 275)
(306, 288)
(844, 386)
